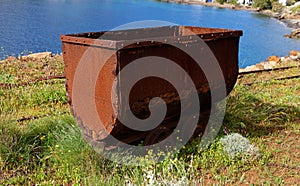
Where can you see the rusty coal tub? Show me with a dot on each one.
(93, 62)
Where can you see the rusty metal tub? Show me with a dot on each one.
(116, 49)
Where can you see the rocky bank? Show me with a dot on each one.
(293, 59)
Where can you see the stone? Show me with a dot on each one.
(250, 68)
(294, 55)
(283, 16)
(296, 31)
(274, 59)
(294, 34)
(10, 58)
(260, 66)
(272, 62)
(270, 65)
(283, 58)
(40, 55)
(242, 70)
(254, 67)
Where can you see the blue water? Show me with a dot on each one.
(35, 25)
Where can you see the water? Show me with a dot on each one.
(35, 25)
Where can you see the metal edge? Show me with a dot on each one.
(216, 34)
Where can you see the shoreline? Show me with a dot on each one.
(289, 20)
(272, 62)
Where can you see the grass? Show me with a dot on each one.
(296, 9)
(50, 150)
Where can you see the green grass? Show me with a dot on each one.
(296, 9)
(50, 150)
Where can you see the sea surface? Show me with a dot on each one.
(35, 25)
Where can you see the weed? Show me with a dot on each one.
(237, 145)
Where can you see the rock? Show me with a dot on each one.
(294, 34)
(287, 58)
(260, 66)
(283, 58)
(263, 65)
(275, 59)
(294, 55)
(11, 58)
(254, 67)
(270, 65)
(40, 55)
(294, 58)
(250, 68)
(258, 9)
(272, 62)
(242, 70)
(283, 16)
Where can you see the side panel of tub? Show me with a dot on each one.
(84, 63)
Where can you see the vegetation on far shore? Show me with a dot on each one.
(269, 7)
(48, 148)
(261, 4)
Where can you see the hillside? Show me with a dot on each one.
(40, 142)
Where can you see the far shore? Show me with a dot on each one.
(291, 21)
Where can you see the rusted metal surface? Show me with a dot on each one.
(120, 52)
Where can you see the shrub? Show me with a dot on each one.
(235, 145)
(262, 4)
(277, 7)
(234, 2)
(296, 9)
(290, 2)
(221, 1)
